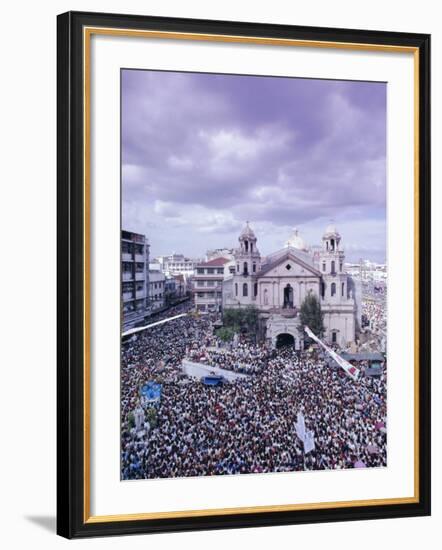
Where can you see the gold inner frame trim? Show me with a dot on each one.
(87, 34)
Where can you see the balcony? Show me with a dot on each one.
(126, 257)
(140, 258)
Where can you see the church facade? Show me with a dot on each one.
(278, 283)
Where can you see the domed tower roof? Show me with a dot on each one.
(296, 241)
(247, 233)
(331, 231)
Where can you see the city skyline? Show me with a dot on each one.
(201, 154)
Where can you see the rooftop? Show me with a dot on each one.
(214, 263)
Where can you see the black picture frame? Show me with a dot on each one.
(71, 389)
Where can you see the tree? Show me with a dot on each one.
(225, 333)
(238, 320)
(250, 314)
(311, 315)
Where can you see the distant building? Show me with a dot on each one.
(207, 284)
(134, 277)
(157, 287)
(220, 253)
(177, 264)
(175, 288)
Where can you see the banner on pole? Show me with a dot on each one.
(349, 369)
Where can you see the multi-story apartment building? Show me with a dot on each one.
(134, 277)
(157, 290)
(177, 264)
(207, 284)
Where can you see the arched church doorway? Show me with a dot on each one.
(288, 296)
(285, 340)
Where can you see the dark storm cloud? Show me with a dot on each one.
(205, 152)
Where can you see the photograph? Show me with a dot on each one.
(254, 274)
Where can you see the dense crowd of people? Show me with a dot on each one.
(249, 425)
(374, 311)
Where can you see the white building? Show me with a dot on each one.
(157, 282)
(277, 285)
(208, 284)
(177, 264)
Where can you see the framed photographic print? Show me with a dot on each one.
(243, 274)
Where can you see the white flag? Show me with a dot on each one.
(349, 369)
(309, 441)
(300, 427)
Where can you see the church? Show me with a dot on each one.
(278, 283)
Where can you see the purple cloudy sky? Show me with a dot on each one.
(203, 153)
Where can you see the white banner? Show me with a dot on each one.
(300, 427)
(349, 369)
(309, 441)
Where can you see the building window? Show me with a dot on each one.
(255, 289)
(334, 337)
(245, 269)
(322, 289)
(210, 271)
(254, 268)
(333, 267)
(342, 289)
(246, 244)
(245, 290)
(251, 247)
(266, 297)
(323, 266)
(340, 266)
(220, 271)
(333, 289)
(236, 289)
(200, 270)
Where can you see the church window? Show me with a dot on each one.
(236, 289)
(322, 289)
(288, 267)
(251, 247)
(266, 297)
(333, 267)
(334, 337)
(333, 289)
(246, 244)
(332, 244)
(245, 268)
(255, 289)
(340, 266)
(254, 268)
(342, 289)
(323, 266)
(245, 290)
(237, 268)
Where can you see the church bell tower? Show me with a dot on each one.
(247, 265)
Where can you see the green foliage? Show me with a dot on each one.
(241, 319)
(225, 333)
(311, 315)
